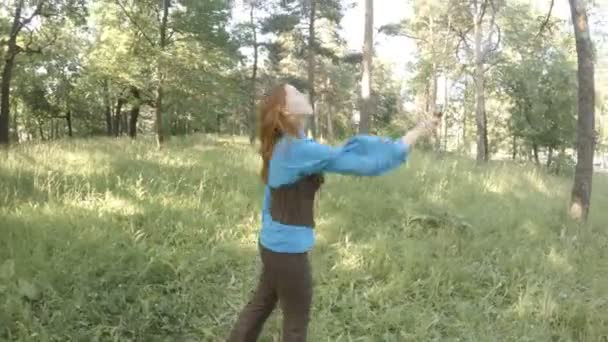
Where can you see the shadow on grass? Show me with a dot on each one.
(156, 249)
(457, 256)
(130, 258)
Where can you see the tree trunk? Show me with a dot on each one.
(108, 113)
(174, 126)
(480, 100)
(68, 121)
(134, 112)
(330, 124)
(444, 117)
(124, 126)
(41, 129)
(117, 116)
(159, 90)
(464, 117)
(561, 157)
(51, 126)
(7, 74)
(15, 136)
(218, 119)
(514, 147)
(55, 128)
(431, 103)
(158, 117)
(549, 157)
(329, 114)
(311, 63)
(583, 176)
(366, 76)
(254, 76)
(535, 152)
(108, 108)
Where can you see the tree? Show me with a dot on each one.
(13, 49)
(40, 20)
(478, 35)
(583, 177)
(480, 52)
(168, 34)
(366, 75)
(541, 90)
(312, 16)
(480, 109)
(431, 28)
(160, 74)
(303, 44)
(250, 34)
(254, 69)
(134, 114)
(537, 78)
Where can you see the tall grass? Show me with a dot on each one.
(112, 240)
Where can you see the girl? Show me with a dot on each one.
(292, 171)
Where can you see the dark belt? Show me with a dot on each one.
(293, 204)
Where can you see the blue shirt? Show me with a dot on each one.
(294, 158)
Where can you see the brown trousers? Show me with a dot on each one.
(285, 278)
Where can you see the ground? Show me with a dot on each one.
(112, 240)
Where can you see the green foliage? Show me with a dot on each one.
(539, 77)
(94, 53)
(386, 97)
(544, 101)
(280, 23)
(88, 70)
(110, 239)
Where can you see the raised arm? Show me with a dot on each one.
(368, 156)
(362, 156)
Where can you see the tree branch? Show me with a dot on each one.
(410, 36)
(30, 41)
(134, 22)
(49, 41)
(28, 50)
(488, 46)
(456, 52)
(484, 5)
(544, 24)
(26, 21)
(264, 45)
(171, 34)
(28, 46)
(463, 38)
(449, 28)
(494, 64)
(497, 45)
(157, 12)
(397, 30)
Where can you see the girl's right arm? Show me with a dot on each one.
(362, 155)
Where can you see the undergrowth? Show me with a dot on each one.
(113, 240)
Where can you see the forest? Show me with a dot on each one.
(126, 107)
(90, 68)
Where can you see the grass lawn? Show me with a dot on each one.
(112, 240)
